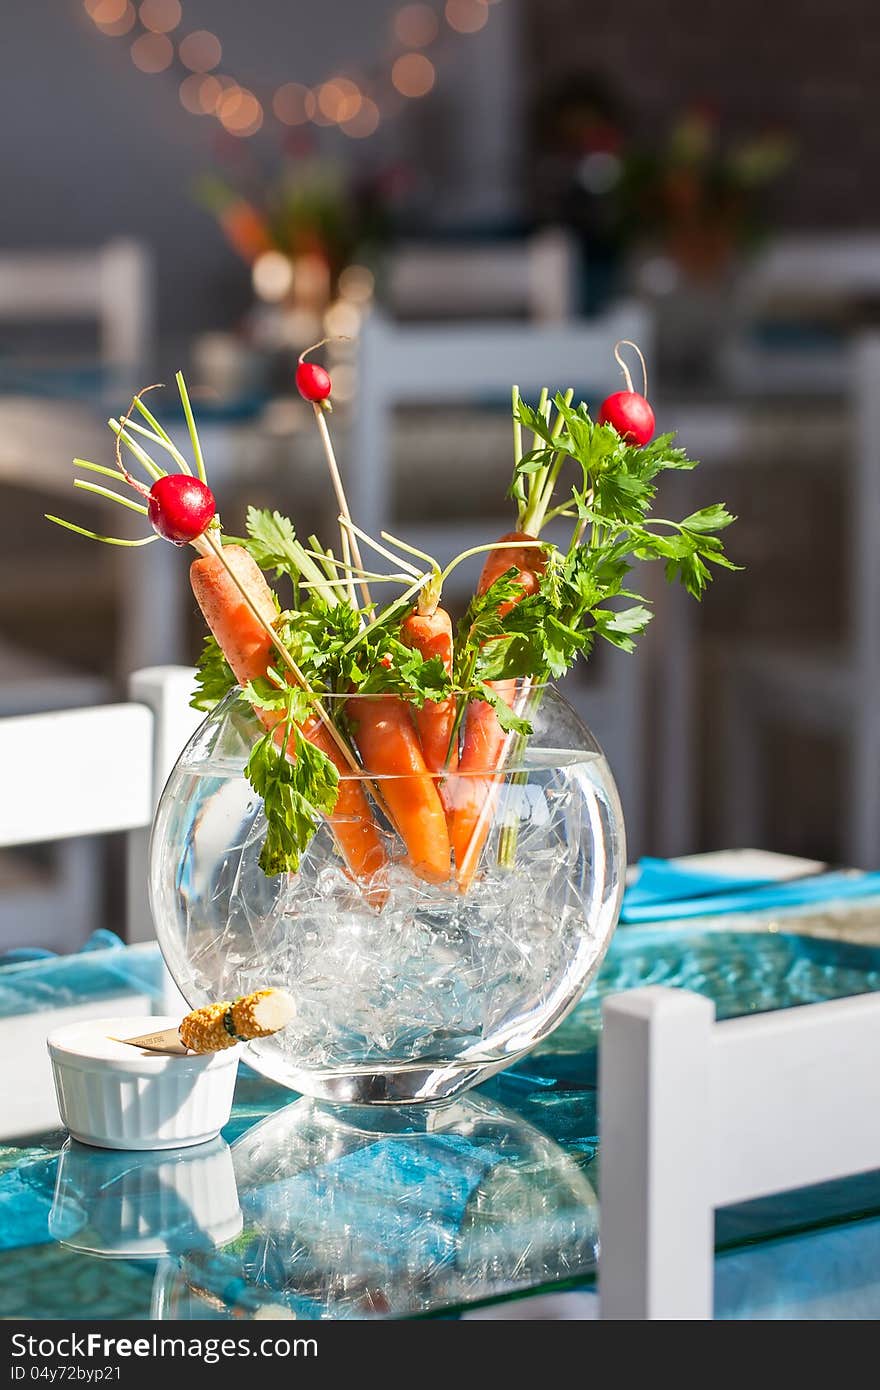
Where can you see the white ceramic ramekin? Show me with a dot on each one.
(121, 1097)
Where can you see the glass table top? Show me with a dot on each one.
(302, 1210)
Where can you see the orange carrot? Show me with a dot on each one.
(389, 746)
(431, 635)
(250, 652)
(471, 795)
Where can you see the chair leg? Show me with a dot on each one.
(656, 1211)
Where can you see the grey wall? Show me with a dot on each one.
(91, 148)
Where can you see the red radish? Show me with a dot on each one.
(628, 411)
(313, 382)
(180, 508)
(630, 414)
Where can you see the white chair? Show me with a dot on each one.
(823, 277)
(833, 690)
(86, 772)
(534, 277)
(697, 1115)
(424, 364)
(111, 284)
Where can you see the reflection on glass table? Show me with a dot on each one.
(358, 1213)
(346, 1215)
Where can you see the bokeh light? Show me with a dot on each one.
(413, 75)
(344, 382)
(365, 123)
(290, 103)
(357, 283)
(200, 51)
(272, 276)
(466, 16)
(152, 53)
(239, 112)
(160, 16)
(339, 100)
(342, 319)
(113, 17)
(415, 26)
(210, 91)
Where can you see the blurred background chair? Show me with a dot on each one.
(835, 690)
(533, 277)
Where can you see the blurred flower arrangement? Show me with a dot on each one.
(700, 197)
(303, 231)
(697, 195)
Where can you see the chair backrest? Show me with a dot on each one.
(535, 276)
(697, 1115)
(112, 284)
(93, 771)
(435, 364)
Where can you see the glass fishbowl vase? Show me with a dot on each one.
(405, 990)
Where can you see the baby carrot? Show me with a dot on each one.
(389, 746)
(483, 744)
(235, 622)
(431, 635)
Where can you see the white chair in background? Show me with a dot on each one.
(80, 773)
(535, 278)
(697, 1115)
(833, 691)
(799, 278)
(430, 364)
(111, 285)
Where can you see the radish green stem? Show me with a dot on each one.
(143, 458)
(161, 432)
(409, 549)
(191, 426)
(97, 468)
(108, 492)
(94, 536)
(165, 444)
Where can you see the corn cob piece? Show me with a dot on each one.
(216, 1026)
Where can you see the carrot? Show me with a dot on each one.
(388, 744)
(250, 652)
(431, 635)
(483, 744)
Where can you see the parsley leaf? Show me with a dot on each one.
(295, 793)
(214, 677)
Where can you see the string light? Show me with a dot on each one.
(152, 52)
(160, 16)
(413, 75)
(200, 51)
(416, 26)
(113, 17)
(339, 101)
(365, 123)
(289, 103)
(467, 16)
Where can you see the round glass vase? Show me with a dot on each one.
(405, 990)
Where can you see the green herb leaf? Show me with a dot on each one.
(295, 794)
(214, 677)
(511, 723)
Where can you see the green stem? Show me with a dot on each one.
(510, 829)
(94, 536)
(191, 426)
(109, 493)
(149, 465)
(163, 443)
